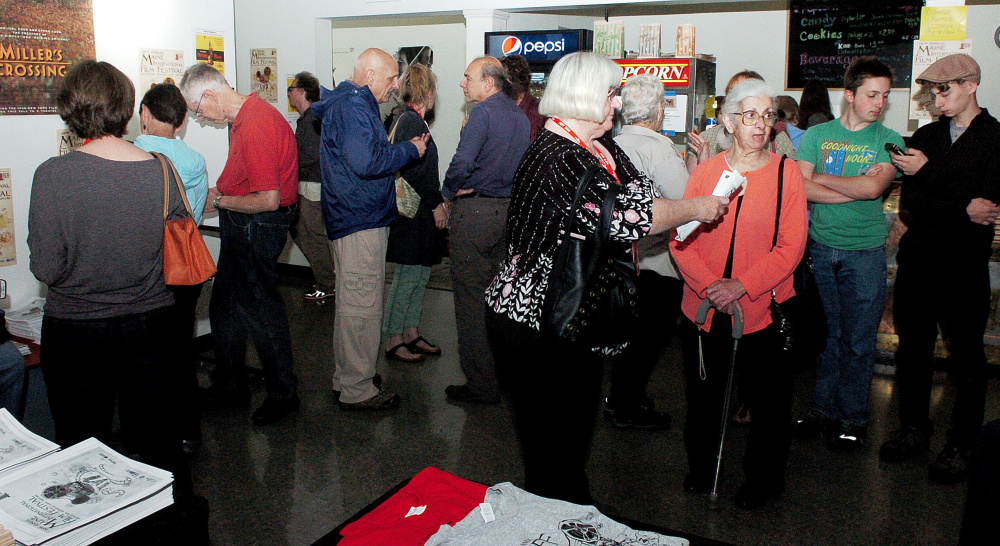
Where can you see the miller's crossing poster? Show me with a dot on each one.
(39, 42)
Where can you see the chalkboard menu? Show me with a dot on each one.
(824, 36)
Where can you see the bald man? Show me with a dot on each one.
(477, 185)
(359, 203)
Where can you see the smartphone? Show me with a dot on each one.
(890, 147)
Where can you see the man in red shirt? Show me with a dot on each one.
(256, 197)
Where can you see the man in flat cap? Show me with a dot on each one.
(950, 191)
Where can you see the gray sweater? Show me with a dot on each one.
(95, 235)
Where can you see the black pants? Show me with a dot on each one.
(91, 364)
(659, 305)
(955, 294)
(555, 388)
(186, 302)
(983, 501)
(766, 373)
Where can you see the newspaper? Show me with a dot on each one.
(80, 495)
(18, 445)
(27, 321)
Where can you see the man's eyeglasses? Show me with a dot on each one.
(197, 110)
(615, 92)
(750, 117)
(290, 87)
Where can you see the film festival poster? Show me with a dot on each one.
(209, 49)
(8, 245)
(159, 66)
(67, 141)
(39, 42)
(264, 73)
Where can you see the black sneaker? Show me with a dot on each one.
(904, 444)
(274, 410)
(317, 294)
(641, 417)
(950, 466)
(383, 400)
(847, 437)
(810, 426)
(462, 393)
(376, 380)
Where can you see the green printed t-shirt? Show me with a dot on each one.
(834, 150)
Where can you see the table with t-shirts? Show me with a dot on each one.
(438, 508)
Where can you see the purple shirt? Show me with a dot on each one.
(490, 149)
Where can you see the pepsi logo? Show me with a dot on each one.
(511, 46)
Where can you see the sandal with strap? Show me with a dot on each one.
(393, 354)
(414, 347)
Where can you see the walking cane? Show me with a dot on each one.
(700, 317)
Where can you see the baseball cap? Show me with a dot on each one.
(953, 67)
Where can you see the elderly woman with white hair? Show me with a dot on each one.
(554, 382)
(739, 265)
(659, 286)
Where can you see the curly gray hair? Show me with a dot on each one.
(641, 99)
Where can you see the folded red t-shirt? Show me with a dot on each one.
(432, 498)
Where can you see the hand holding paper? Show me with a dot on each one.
(729, 182)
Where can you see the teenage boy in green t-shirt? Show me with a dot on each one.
(846, 170)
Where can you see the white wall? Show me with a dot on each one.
(121, 27)
(739, 39)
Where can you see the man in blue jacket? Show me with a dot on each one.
(359, 203)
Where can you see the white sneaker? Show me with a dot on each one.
(317, 294)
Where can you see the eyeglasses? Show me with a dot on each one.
(290, 87)
(750, 117)
(615, 92)
(197, 110)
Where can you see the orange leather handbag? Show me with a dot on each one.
(186, 259)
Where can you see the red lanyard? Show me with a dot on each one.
(597, 151)
(415, 109)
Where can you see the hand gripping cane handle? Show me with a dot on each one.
(702, 315)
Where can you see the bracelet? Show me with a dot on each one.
(215, 202)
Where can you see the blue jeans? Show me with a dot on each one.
(246, 302)
(11, 378)
(852, 286)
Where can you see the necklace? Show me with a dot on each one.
(597, 152)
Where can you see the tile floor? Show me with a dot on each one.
(293, 482)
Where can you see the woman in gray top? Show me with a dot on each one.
(96, 239)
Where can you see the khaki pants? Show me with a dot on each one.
(359, 259)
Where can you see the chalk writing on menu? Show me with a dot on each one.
(824, 36)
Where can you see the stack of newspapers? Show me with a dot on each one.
(74, 496)
(27, 321)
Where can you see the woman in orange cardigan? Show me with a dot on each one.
(731, 263)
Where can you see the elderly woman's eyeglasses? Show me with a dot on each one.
(615, 92)
(750, 117)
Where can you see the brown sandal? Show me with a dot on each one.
(393, 354)
(415, 348)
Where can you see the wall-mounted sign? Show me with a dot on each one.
(39, 42)
(546, 46)
(672, 72)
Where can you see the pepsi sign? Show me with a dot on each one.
(535, 46)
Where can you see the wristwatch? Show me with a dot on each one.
(215, 202)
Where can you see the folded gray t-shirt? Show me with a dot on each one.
(521, 518)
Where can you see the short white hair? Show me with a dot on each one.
(200, 77)
(641, 99)
(747, 89)
(578, 87)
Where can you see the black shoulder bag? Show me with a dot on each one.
(591, 293)
(801, 320)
